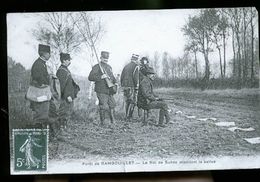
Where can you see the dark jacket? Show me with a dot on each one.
(145, 94)
(143, 68)
(39, 73)
(130, 75)
(95, 76)
(68, 87)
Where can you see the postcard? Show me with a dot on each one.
(133, 90)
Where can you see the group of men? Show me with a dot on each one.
(136, 82)
(56, 111)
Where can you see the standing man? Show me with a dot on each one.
(40, 79)
(148, 100)
(104, 91)
(130, 84)
(55, 90)
(68, 88)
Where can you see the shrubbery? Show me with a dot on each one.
(231, 83)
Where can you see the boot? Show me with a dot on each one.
(131, 110)
(111, 115)
(102, 117)
(139, 112)
(128, 108)
(145, 120)
(54, 127)
(52, 133)
(167, 117)
(161, 117)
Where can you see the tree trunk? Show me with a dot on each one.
(252, 47)
(207, 59)
(234, 54)
(207, 68)
(239, 56)
(239, 66)
(220, 62)
(224, 53)
(172, 72)
(244, 47)
(196, 64)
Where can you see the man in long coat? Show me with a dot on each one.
(130, 84)
(104, 92)
(68, 88)
(148, 100)
(40, 79)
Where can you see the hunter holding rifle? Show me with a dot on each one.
(105, 87)
(130, 84)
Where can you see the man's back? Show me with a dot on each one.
(130, 75)
(39, 73)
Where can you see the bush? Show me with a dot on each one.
(214, 83)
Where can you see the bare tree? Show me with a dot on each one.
(172, 67)
(192, 47)
(214, 27)
(253, 15)
(219, 29)
(165, 66)
(156, 64)
(85, 21)
(236, 23)
(58, 31)
(65, 32)
(224, 27)
(241, 21)
(197, 30)
(246, 22)
(91, 29)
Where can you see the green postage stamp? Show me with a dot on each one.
(30, 149)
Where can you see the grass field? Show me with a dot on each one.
(184, 137)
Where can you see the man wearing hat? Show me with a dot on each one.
(40, 79)
(130, 84)
(99, 74)
(148, 100)
(68, 88)
(144, 65)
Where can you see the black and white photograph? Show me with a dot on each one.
(133, 90)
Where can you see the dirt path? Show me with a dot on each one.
(188, 137)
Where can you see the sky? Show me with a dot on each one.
(127, 32)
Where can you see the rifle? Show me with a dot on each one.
(109, 83)
(132, 105)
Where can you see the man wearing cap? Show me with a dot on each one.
(144, 65)
(148, 100)
(40, 79)
(68, 88)
(104, 92)
(130, 84)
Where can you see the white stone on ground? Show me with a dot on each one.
(190, 117)
(178, 112)
(233, 129)
(255, 140)
(224, 123)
